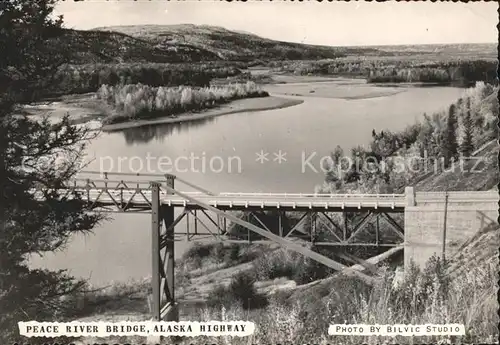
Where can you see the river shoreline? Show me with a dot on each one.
(84, 108)
(234, 107)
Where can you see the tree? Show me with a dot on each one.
(385, 144)
(31, 49)
(336, 167)
(34, 155)
(467, 145)
(450, 146)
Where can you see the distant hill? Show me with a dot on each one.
(226, 44)
(455, 51)
(114, 47)
(193, 43)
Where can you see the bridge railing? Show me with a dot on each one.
(108, 180)
(87, 183)
(457, 196)
(134, 185)
(161, 179)
(312, 195)
(127, 187)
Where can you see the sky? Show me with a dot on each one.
(326, 23)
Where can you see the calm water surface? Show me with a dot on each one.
(120, 249)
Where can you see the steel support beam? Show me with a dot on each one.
(314, 217)
(296, 226)
(169, 306)
(395, 227)
(164, 237)
(155, 250)
(360, 226)
(332, 231)
(198, 219)
(280, 223)
(354, 259)
(346, 226)
(259, 221)
(163, 287)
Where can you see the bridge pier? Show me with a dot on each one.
(164, 306)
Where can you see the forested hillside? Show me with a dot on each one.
(193, 55)
(226, 44)
(446, 150)
(115, 47)
(431, 68)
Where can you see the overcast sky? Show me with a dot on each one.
(328, 23)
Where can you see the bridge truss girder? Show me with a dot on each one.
(282, 240)
(342, 236)
(163, 304)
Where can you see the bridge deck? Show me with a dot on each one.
(247, 201)
(137, 194)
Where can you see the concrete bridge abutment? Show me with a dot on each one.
(450, 218)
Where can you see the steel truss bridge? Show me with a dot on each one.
(223, 212)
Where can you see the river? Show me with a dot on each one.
(220, 154)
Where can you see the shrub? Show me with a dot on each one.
(279, 263)
(310, 270)
(198, 251)
(228, 254)
(233, 253)
(284, 263)
(241, 291)
(220, 296)
(195, 254)
(219, 253)
(421, 288)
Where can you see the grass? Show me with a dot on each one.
(121, 298)
(423, 297)
(141, 101)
